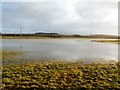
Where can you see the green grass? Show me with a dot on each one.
(60, 75)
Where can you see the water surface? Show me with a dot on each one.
(66, 49)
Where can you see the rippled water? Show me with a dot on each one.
(67, 49)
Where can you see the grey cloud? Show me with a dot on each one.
(76, 17)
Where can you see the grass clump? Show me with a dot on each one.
(60, 75)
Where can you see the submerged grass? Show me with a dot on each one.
(10, 57)
(108, 41)
(58, 75)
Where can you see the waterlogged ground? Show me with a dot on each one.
(11, 57)
(56, 75)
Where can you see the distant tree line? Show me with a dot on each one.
(41, 34)
(44, 35)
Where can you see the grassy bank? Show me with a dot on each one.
(107, 41)
(58, 75)
(39, 37)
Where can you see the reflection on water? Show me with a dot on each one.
(62, 49)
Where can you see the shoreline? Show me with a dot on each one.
(101, 40)
(14, 57)
(40, 37)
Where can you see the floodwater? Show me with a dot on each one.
(65, 49)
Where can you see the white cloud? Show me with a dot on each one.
(59, 0)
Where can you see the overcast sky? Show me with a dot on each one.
(65, 16)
